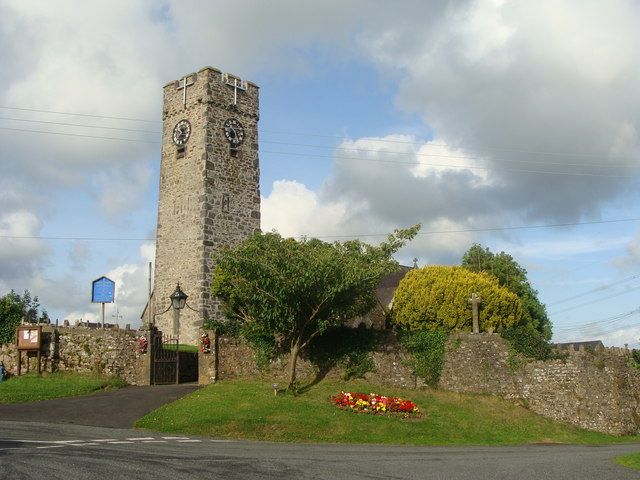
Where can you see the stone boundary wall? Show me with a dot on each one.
(84, 350)
(597, 390)
(237, 360)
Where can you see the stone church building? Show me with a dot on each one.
(209, 191)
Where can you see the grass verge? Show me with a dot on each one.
(31, 387)
(249, 410)
(183, 347)
(632, 460)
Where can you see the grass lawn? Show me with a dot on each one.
(30, 387)
(183, 347)
(249, 410)
(631, 460)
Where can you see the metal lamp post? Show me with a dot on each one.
(178, 301)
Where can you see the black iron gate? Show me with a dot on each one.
(166, 360)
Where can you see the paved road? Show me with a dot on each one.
(36, 451)
(117, 408)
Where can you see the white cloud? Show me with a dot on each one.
(510, 82)
(294, 210)
(20, 256)
(632, 257)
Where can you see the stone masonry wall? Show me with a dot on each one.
(83, 350)
(237, 360)
(596, 390)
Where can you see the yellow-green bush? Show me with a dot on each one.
(438, 297)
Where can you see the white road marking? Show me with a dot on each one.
(104, 440)
(67, 441)
(140, 438)
(154, 441)
(32, 441)
(83, 444)
(175, 438)
(53, 446)
(188, 441)
(124, 441)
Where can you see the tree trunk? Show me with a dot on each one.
(295, 350)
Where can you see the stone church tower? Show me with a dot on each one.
(209, 189)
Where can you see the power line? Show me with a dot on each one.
(329, 147)
(101, 127)
(444, 165)
(346, 149)
(439, 155)
(604, 321)
(79, 135)
(394, 162)
(595, 290)
(596, 300)
(337, 137)
(432, 232)
(79, 114)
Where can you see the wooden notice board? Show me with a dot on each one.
(29, 338)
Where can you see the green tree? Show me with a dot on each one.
(13, 308)
(513, 276)
(437, 297)
(286, 292)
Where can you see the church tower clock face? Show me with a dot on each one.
(181, 132)
(234, 132)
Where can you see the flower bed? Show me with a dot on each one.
(374, 404)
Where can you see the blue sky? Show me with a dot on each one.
(459, 115)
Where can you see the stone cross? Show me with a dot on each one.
(182, 85)
(475, 301)
(236, 83)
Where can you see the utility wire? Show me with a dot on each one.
(605, 321)
(306, 155)
(101, 127)
(331, 147)
(595, 290)
(337, 137)
(79, 135)
(596, 300)
(78, 114)
(432, 232)
(439, 155)
(448, 166)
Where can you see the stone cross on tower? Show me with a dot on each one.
(182, 85)
(236, 83)
(475, 301)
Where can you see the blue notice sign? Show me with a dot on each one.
(103, 290)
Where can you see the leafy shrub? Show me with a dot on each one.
(348, 347)
(427, 349)
(635, 358)
(527, 341)
(436, 297)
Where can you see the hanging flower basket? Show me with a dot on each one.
(143, 344)
(205, 343)
(374, 404)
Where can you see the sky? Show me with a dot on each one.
(474, 118)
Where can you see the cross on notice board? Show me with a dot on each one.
(475, 301)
